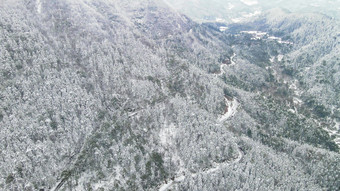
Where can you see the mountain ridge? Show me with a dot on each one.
(117, 95)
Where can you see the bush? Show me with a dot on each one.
(9, 179)
(227, 93)
(54, 124)
(101, 115)
(214, 68)
(288, 71)
(321, 111)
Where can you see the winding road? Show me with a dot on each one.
(232, 60)
(222, 65)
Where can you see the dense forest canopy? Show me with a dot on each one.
(136, 95)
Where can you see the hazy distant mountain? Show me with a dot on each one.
(232, 11)
(134, 95)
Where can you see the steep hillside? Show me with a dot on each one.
(310, 67)
(126, 95)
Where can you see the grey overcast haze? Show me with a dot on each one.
(169, 95)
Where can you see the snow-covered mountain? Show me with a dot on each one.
(234, 11)
(134, 95)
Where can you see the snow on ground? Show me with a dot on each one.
(236, 20)
(165, 187)
(183, 173)
(232, 60)
(294, 86)
(256, 35)
(38, 4)
(335, 131)
(259, 33)
(291, 110)
(274, 38)
(231, 109)
(297, 101)
(223, 29)
(221, 70)
(230, 6)
(284, 42)
(279, 57)
(220, 20)
(337, 141)
(279, 40)
(249, 15)
(167, 135)
(250, 2)
(216, 167)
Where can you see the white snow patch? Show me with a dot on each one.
(279, 40)
(38, 4)
(293, 86)
(337, 141)
(272, 59)
(280, 57)
(274, 38)
(284, 42)
(221, 69)
(250, 2)
(220, 20)
(236, 20)
(223, 29)
(252, 14)
(297, 101)
(165, 187)
(231, 109)
(250, 32)
(256, 35)
(230, 6)
(335, 131)
(337, 126)
(167, 135)
(291, 110)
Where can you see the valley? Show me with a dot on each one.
(150, 95)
